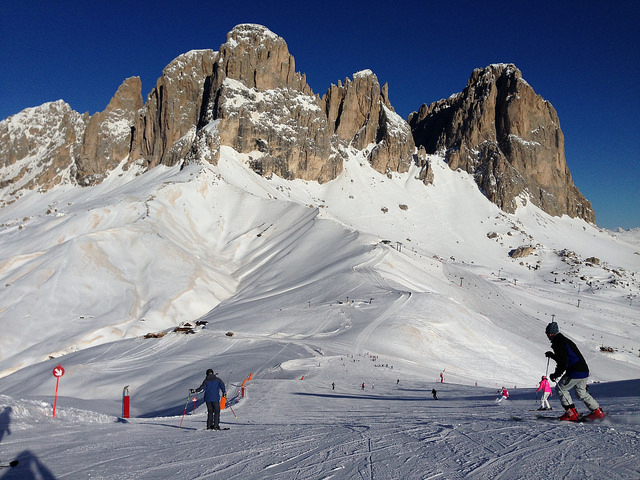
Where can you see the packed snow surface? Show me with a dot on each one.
(310, 291)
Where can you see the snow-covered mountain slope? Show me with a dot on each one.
(367, 262)
(369, 278)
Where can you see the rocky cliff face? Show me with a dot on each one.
(107, 138)
(164, 130)
(260, 105)
(359, 114)
(38, 147)
(248, 96)
(508, 137)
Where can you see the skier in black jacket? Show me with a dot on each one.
(572, 367)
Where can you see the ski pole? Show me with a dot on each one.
(234, 413)
(185, 409)
(546, 373)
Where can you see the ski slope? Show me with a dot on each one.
(292, 428)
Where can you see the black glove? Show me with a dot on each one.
(553, 377)
(191, 390)
(548, 354)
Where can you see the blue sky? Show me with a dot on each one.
(582, 56)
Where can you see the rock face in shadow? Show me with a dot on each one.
(508, 137)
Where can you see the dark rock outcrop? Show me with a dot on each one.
(508, 137)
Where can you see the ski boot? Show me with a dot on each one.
(571, 414)
(597, 414)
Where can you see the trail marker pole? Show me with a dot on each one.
(57, 372)
(125, 402)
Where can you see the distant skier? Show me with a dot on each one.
(333, 385)
(572, 367)
(212, 386)
(362, 385)
(545, 388)
(503, 394)
(434, 393)
(441, 378)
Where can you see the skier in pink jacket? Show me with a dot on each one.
(545, 387)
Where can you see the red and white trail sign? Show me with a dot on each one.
(57, 372)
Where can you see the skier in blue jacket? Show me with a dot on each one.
(572, 367)
(212, 386)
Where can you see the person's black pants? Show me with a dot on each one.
(213, 414)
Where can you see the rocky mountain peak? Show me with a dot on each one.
(508, 137)
(263, 107)
(258, 58)
(249, 96)
(37, 147)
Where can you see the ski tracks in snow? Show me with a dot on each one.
(308, 430)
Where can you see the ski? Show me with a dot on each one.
(10, 464)
(580, 419)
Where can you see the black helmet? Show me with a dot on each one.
(543, 377)
(209, 372)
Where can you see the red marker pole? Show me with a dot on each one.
(57, 372)
(125, 402)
